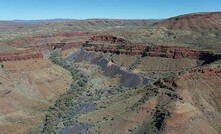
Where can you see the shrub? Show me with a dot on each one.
(65, 105)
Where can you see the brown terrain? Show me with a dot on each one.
(145, 50)
(10, 26)
(197, 22)
(24, 92)
(30, 83)
(102, 83)
(191, 107)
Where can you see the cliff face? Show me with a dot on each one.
(206, 71)
(19, 56)
(33, 52)
(107, 38)
(155, 51)
(117, 46)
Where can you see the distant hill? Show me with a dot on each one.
(90, 22)
(96, 24)
(10, 25)
(25, 28)
(41, 21)
(196, 21)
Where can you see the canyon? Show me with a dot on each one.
(136, 76)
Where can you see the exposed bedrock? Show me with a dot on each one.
(19, 56)
(34, 52)
(155, 51)
(127, 78)
(24, 40)
(205, 71)
(109, 38)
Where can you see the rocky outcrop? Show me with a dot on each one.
(32, 52)
(179, 52)
(19, 56)
(187, 75)
(125, 49)
(204, 71)
(109, 38)
(155, 51)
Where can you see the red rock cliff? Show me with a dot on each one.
(19, 56)
(154, 51)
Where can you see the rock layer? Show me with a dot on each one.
(19, 56)
(155, 51)
(107, 38)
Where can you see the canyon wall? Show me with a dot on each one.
(19, 56)
(107, 38)
(154, 51)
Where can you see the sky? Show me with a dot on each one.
(114, 9)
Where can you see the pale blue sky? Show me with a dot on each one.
(117, 9)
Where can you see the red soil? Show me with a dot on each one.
(19, 56)
(206, 71)
(31, 39)
(197, 22)
(29, 54)
(34, 51)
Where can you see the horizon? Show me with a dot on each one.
(81, 10)
(73, 19)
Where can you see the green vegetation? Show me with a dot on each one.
(74, 26)
(66, 104)
(2, 65)
(135, 63)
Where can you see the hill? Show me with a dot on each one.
(199, 22)
(197, 30)
(111, 76)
